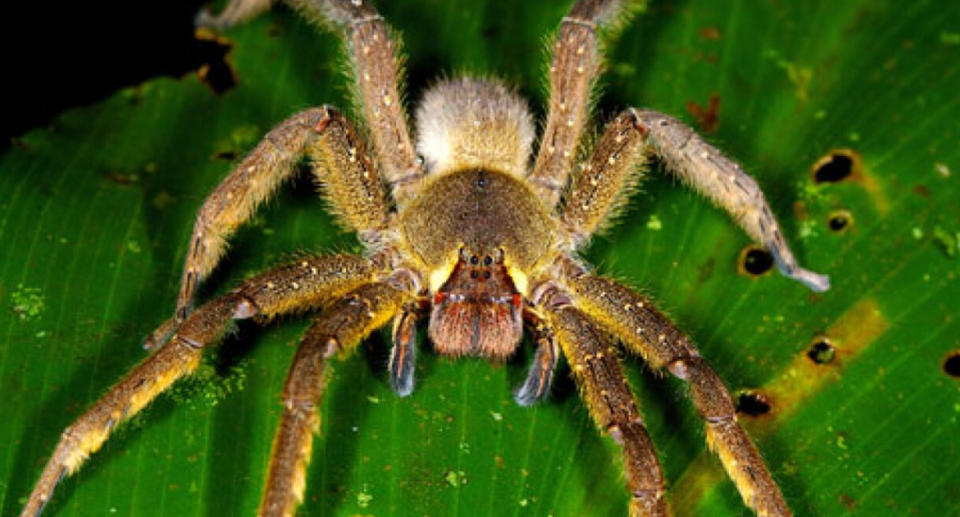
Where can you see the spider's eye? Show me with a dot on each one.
(487, 260)
(473, 274)
(474, 260)
(486, 275)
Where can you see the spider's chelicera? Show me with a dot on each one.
(473, 236)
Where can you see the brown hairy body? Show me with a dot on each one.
(481, 236)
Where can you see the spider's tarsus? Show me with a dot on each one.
(534, 389)
(527, 395)
(816, 282)
(402, 384)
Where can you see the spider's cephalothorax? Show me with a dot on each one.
(476, 236)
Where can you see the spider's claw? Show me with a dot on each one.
(537, 384)
(788, 267)
(402, 355)
(534, 389)
(816, 282)
(401, 370)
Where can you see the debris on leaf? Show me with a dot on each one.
(28, 302)
(456, 478)
(946, 240)
(364, 497)
(654, 223)
(942, 169)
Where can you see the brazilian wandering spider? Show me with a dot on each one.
(476, 236)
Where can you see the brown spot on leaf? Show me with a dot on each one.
(707, 117)
(848, 502)
(921, 190)
(710, 33)
(797, 381)
(121, 178)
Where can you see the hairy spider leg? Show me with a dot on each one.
(604, 389)
(574, 68)
(605, 182)
(289, 288)
(339, 329)
(648, 333)
(377, 77)
(351, 187)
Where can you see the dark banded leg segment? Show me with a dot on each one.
(338, 330)
(593, 361)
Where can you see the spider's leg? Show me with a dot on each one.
(722, 180)
(574, 68)
(377, 77)
(605, 390)
(338, 329)
(299, 286)
(647, 332)
(350, 185)
(537, 384)
(403, 354)
(237, 11)
(606, 180)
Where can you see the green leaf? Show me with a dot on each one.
(96, 212)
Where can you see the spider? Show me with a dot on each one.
(465, 227)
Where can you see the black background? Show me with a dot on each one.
(59, 55)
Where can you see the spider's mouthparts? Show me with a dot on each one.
(478, 311)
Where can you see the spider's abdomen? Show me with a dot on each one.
(478, 210)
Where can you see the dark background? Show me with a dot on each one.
(64, 54)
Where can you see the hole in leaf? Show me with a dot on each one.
(822, 351)
(215, 69)
(839, 221)
(755, 261)
(835, 166)
(226, 155)
(753, 404)
(951, 365)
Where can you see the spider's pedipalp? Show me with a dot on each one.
(403, 353)
(647, 332)
(594, 363)
(536, 386)
(339, 329)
